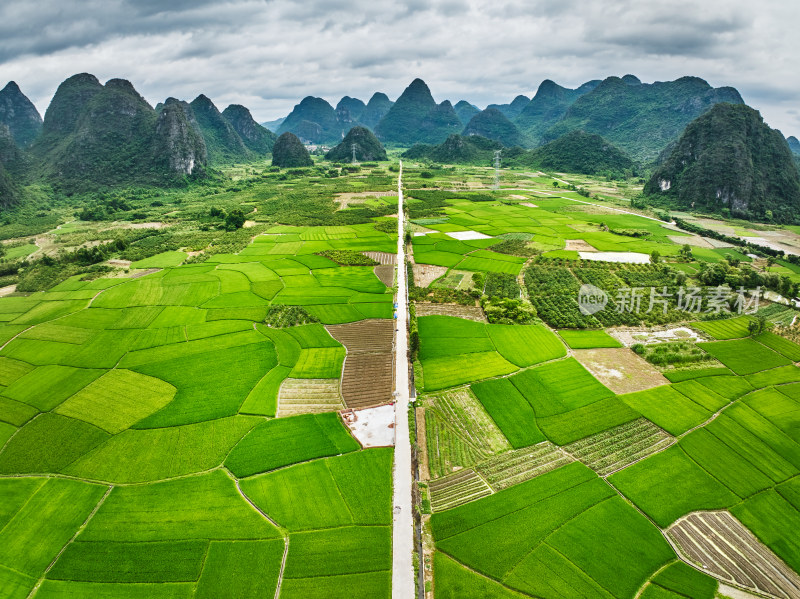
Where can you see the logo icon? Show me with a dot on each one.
(591, 299)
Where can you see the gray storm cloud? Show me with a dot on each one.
(268, 54)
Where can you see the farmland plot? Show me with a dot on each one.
(620, 446)
(731, 553)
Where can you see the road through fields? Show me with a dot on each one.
(403, 524)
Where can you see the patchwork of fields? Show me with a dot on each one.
(160, 436)
(141, 453)
(547, 478)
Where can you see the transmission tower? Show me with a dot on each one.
(353, 146)
(496, 170)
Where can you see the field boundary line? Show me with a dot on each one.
(653, 575)
(27, 501)
(481, 574)
(36, 587)
(281, 529)
(283, 566)
(2, 347)
(522, 508)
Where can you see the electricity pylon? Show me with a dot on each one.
(496, 170)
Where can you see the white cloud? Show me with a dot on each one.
(268, 54)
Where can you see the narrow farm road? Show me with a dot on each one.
(403, 522)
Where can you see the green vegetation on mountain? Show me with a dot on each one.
(794, 144)
(440, 122)
(95, 135)
(367, 147)
(9, 191)
(514, 108)
(377, 107)
(290, 152)
(313, 120)
(222, 141)
(19, 114)
(579, 152)
(641, 119)
(493, 124)
(257, 138)
(456, 149)
(730, 160)
(547, 107)
(348, 112)
(465, 111)
(415, 117)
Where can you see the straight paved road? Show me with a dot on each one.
(403, 522)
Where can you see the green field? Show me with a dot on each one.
(141, 455)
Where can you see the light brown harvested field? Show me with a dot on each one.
(142, 273)
(382, 257)
(425, 274)
(457, 489)
(375, 335)
(461, 409)
(308, 396)
(514, 467)
(579, 245)
(368, 375)
(119, 263)
(7, 290)
(728, 551)
(469, 312)
(385, 272)
(518, 197)
(692, 240)
(619, 369)
(528, 204)
(620, 446)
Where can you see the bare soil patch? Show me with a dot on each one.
(630, 337)
(120, 263)
(517, 197)
(385, 272)
(529, 205)
(579, 245)
(469, 312)
(729, 552)
(372, 427)
(425, 274)
(619, 369)
(7, 290)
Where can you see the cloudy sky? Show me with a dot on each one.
(268, 54)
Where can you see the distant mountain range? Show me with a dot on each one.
(96, 135)
(99, 136)
(640, 118)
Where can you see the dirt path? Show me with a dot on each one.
(403, 521)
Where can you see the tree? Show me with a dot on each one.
(758, 325)
(234, 220)
(655, 256)
(770, 261)
(686, 252)
(555, 183)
